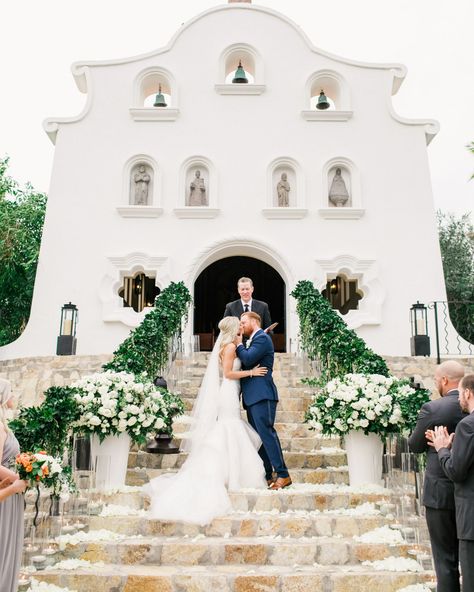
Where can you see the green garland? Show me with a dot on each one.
(146, 349)
(326, 337)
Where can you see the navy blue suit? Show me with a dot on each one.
(260, 398)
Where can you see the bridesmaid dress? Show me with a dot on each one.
(11, 526)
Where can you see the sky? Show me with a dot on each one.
(40, 40)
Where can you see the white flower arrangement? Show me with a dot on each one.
(73, 564)
(111, 403)
(399, 564)
(384, 534)
(37, 586)
(369, 402)
(95, 536)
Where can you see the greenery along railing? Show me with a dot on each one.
(146, 349)
(326, 337)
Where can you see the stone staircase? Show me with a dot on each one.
(297, 540)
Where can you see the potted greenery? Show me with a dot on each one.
(363, 409)
(117, 408)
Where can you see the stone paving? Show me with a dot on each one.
(297, 540)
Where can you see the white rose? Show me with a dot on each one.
(364, 423)
(329, 402)
(94, 420)
(132, 421)
(105, 412)
(159, 423)
(370, 415)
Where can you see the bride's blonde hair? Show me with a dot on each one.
(229, 328)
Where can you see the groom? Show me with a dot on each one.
(260, 397)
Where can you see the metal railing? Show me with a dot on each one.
(448, 341)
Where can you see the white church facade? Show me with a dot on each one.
(175, 172)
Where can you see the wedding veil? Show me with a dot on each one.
(204, 414)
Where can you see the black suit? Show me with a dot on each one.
(458, 465)
(235, 309)
(438, 490)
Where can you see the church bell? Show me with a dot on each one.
(239, 76)
(322, 101)
(160, 99)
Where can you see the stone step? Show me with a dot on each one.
(285, 404)
(337, 475)
(202, 550)
(237, 578)
(297, 460)
(306, 497)
(284, 428)
(308, 444)
(291, 524)
(189, 386)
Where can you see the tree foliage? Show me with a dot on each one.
(456, 239)
(22, 214)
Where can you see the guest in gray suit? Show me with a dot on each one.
(456, 457)
(438, 490)
(248, 304)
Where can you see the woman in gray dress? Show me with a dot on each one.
(11, 509)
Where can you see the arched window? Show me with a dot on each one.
(138, 291)
(343, 293)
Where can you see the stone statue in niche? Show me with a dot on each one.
(141, 183)
(283, 191)
(338, 194)
(197, 191)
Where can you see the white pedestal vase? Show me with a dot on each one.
(110, 460)
(364, 457)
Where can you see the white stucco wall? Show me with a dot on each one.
(391, 242)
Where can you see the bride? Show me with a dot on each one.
(222, 447)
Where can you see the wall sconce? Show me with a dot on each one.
(66, 345)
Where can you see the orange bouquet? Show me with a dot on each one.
(38, 468)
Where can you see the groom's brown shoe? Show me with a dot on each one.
(271, 481)
(281, 483)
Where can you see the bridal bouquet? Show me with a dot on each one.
(371, 403)
(111, 403)
(39, 468)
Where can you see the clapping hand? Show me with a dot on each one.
(439, 438)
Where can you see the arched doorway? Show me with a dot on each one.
(216, 285)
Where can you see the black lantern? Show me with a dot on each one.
(420, 341)
(66, 345)
(162, 443)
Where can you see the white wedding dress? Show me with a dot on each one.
(224, 459)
